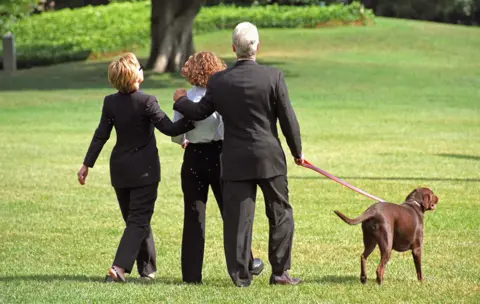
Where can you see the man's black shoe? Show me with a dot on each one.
(257, 267)
(284, 279)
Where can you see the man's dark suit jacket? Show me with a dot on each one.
(134, 161)
(250, 97)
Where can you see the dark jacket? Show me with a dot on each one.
(251, 98)
(134, 161)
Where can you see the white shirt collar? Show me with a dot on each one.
(195, 94)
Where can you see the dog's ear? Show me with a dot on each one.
(434, 201)
(427, 199)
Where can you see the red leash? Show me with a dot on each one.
(308, 165)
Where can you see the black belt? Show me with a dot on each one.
(210, 143)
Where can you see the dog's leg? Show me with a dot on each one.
(369, 244)
(385, 256)
(385, 244)
(417, 258)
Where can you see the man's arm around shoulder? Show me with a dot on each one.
(162, 122)
(195, 111)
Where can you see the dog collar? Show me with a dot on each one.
(417, 203)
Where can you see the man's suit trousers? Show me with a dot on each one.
(238, 211)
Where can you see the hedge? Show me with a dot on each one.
(68, 35)
(452, 11)
(14, 10)
(267, 2)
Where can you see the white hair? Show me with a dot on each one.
(245, 40)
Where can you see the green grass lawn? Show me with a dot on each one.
(388, 108)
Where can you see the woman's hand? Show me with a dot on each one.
(82, 174)
(185, 144)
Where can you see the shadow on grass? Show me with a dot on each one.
(426, 179)
(64, 53)
(460, 156)
(100, 279)
(90, 75)
(84, 278)
(51, 278)
(78, 75)
(334, 279)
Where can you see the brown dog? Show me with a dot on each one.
(392, 226)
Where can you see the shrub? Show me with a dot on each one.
(118, 1)
(67, 34)
(266, 2)
(452, 11)
(12, 11)
(274, 16)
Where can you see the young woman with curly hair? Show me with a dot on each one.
(201, 167)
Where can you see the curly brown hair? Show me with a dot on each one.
(200, 66)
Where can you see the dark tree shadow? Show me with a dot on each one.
(79, 75)
(84, 278)
(51, 278)
(283, 66)
(91, 75)
(334, 279)
(460, 156)
(431, 179)
(45, 55)
(230, 61)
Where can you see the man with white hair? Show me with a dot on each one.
(251, 98)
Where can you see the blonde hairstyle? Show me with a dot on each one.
(200, 66)
(123, 73)
(245, 40)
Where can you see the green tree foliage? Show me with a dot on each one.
(75, 34)
(13, 10)
(266, 2)
(452, 11)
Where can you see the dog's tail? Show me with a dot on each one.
(365, 216)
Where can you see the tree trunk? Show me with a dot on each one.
(370, 4)
(171, 33)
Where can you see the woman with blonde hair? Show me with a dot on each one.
(134, 162)
(200, 168)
